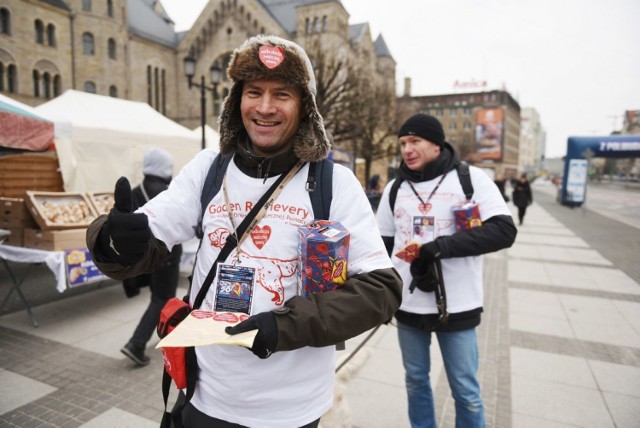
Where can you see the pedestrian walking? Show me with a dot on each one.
(271, 125)
(448, 261)
(501, 182)
(163, 282)
(522, 196)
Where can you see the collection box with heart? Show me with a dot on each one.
(323, 250)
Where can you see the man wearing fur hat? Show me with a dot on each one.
(429, 189)
(271, 125)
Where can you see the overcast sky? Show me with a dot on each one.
(577, 62)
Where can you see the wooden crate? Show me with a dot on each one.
(16, 238)
(19, 173)
(55, 240)
(14, 214)
(102, 201)
(60, 210)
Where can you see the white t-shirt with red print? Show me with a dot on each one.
(462, 275)
(235, 385)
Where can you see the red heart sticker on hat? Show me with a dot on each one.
(271, 56)
(260, 235)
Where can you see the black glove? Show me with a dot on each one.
(124, 237)
(423, 268)
(267, 338)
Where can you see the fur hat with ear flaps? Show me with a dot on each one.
(273, 58)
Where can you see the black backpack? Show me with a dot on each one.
(463, 175)
(319, 185)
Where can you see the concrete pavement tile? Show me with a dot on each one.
(551, 367)
(17, 390)
(109, 342)
(599, 320)
(383, 367)
(526, 421)
(624, 409)
(550, 239)
(583, 407)
(115, 417)
(535, 303)
(377, 405)
(629, 310)
(527, 271)
(536, 324)
(613, 280)
(617, 378)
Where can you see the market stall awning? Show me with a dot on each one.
(21, 128)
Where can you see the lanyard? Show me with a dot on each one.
(424, 203)
(293, 171)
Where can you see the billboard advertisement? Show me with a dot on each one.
(489, 133)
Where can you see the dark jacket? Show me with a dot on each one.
(150, 187)
(521, 195)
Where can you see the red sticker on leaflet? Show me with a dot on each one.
(271, 56)
(226, 317)
(260, 235)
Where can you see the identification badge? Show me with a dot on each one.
(234, 288)
(424, 228)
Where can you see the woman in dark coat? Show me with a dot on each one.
(521, 196)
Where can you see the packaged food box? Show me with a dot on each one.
(323, 250)
(60, 210)
(102, 201)
(55, 240)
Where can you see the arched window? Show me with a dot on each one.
(110, 8)
(112, 48)
(56, 85)
(90, 87)
(5, 21)
(46, 85)
(113, 91)
(86, 5)
(324, 24)
(1, 77)
(316, 25)
(39, 31)
(36, 83)
(51, 35)
(12, 79)
(308, 25)
(87, 44)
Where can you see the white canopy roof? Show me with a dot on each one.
(211, 135)
(107, 138)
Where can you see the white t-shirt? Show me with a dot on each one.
(289, 389)
(462, 275)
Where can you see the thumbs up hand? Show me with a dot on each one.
(124, 237)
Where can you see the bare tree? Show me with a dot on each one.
(359, 113)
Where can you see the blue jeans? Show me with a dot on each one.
(460, 355)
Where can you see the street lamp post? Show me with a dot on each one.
(215, 73)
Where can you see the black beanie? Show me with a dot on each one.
(425, 126)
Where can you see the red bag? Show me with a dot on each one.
(175, 359)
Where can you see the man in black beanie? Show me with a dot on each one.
(429, 189)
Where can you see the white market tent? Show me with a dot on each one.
(211, 136)
(107, 138)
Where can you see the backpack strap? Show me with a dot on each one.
(465, 179)
(320, 172)
(212, 185)
(393, 192)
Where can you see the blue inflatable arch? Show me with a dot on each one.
(580, 150)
